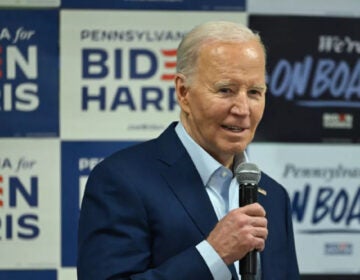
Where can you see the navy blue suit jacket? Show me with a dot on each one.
(145, 209)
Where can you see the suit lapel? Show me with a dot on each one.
(186, 184)
(184, 180)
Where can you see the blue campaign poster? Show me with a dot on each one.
(206, 5)
(29, 73)
(28, 274)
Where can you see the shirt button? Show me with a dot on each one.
(224, 174)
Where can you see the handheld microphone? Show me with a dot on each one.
(248, 176)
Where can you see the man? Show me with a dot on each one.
(168, 208)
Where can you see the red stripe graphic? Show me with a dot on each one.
(167, 77)
(169, 52)
(169, 65)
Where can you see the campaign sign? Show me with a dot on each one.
(323, 182)
(117, 76)
(78, 159)
(29, 204)
(30, 3)
(220, 5)
(304, 7)
(313, 79)
(28, 274)
(29, 73)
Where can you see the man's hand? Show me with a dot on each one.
(242, 230)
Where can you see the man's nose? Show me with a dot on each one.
(240, 104)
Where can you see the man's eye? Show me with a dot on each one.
(225, 90)
(254, 92)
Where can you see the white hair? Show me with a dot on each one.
(221, 31)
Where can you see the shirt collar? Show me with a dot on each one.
(205, 164)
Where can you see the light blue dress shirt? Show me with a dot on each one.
(223, 191)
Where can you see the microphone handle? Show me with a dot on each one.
(248, 277)
(248, 264)
(248, 194)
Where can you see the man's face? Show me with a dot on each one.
(225, 101)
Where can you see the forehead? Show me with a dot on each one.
(232, 59)
(251, 49)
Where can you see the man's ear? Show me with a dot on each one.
(182, 92)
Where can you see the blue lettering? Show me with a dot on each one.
(294, 79)
(321, 77)
(354, 83)
(118, 64)
(339, 204)
(9, 227)
(93, 65)
(149, 96)
(300, 78)
(340, 79)
(25, 223)
(280, 78)
(123, 97)
(321, 208)
(298, 205)
(135, 55)
(16, 186)
(354, 212)
(23, 226)
(147, 100)
(335, 79)
(336, 206)
(99, 97)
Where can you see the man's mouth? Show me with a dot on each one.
(232, 128)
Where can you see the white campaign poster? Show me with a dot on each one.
(323, 182)
(117, 73)
(30, 3)
(29, 203)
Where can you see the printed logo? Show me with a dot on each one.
(337, 121)
(338, 248)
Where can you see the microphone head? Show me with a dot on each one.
(247, 173)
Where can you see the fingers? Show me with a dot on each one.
(253, 223)
(242, 230)
(258, 221)
(257, 239)
(255, 232)
(254, 209)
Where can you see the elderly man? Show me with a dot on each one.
(168, 208)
